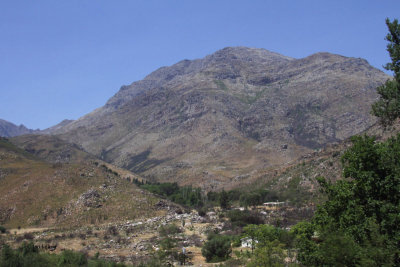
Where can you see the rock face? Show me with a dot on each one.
(8, 129)
(240, 109)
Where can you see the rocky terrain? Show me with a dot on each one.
(61, 198)
(215, 121)
(8, 129)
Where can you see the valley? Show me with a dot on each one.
(212, 155)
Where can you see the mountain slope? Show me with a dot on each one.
(35, 192)
(8, 129)
(214, 121)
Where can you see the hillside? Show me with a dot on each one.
(215, 121)
(60, 193)
(296, 180)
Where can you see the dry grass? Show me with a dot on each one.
(34, 192)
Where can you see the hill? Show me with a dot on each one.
(64, 191)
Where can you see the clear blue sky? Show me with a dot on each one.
(62, 59)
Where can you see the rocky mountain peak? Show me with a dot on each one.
(237, 110)
(245, 54)
(8, 129)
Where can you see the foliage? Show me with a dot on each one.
(186, 195)
(2, 229)
(269, 254)
(223, 200)
(387, 108)
(241, 218)
(196, 198)
(256, 197)
(202, 211)
(169, 229)
(217, 248)
(361, 217)
(264, 233)
(167, 243)
(71, 258)
(27, 255)
(269, 243)
(372, 193)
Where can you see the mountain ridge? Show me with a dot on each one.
(9, 129)
(211, 120)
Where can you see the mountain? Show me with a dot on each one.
(8, 129)
(56, 127)
(215, 121)
(52, 149)
(41, 187)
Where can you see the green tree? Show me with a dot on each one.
(251, 232)
(307, 247)
(217, 248)
(266, 239)
(270, 254)
(71, 258)
(361, 217)
(223, 199)
(387, 108)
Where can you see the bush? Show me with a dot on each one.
(223, 200)
(241, 218)
(167, 243)
(202, 212)
(2, 229)
(27, 248)
(169, 229)
(26, 255)
(69, 257)
(112, 230)
(28, 236)
(217, 248)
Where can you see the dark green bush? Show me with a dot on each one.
(169, 229)
(241, 218)
(69, 257)
(202, 211)
(27, 255)
(217, 248)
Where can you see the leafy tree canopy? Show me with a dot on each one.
(387, 108)
(361, 217)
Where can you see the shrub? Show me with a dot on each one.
(167, 243)
(241, 218)
(72, 258)
(202, 211)
(28, 236)
(217, 248)
(169, 229)
(82, 236)
(2, 229)
(112, 230)
(27, 248)
(223, 200)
